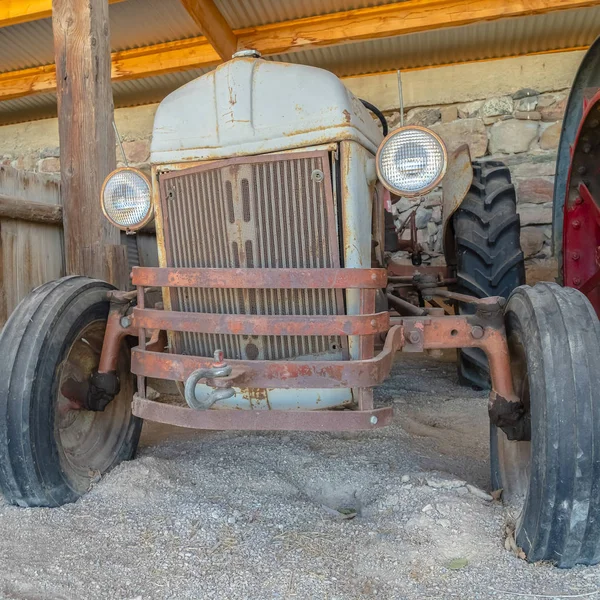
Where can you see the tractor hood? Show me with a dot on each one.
(253, 106)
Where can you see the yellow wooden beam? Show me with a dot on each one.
(390, 20)
(214, 26)
(337, 28)
(13, 12)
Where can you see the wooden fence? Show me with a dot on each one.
(31, 238)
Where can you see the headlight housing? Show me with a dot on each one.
(411, 161)
(126, 199)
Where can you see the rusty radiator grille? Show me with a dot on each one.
(258, 212)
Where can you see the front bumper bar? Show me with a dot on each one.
(483, 330)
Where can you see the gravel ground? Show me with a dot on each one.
(237, 515)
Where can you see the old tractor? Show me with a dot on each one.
(273, 305)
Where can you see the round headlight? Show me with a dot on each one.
(411, 161)
(126, 199)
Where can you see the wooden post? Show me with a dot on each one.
(87, 139)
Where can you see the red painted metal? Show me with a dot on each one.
(581, 225)
(260, 278)
(365, 324)
(262, 420)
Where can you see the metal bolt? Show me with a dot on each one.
(575, 256)
(581, 170)
(576, 224)
(218, 357)
(579, 200)
(373, 323)
(317, 175)
(414, 337)
(125, 322)
(477, 332)
(576, 281)
(373, 420)
(587, 148)
(247, 53)
(594, 124)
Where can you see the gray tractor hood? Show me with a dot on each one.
(253, 106)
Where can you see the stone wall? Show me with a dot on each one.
(34, 146)
(508, 109)
(523, 130)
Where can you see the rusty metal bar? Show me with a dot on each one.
(464, 332)
(141, 302)
(365, 324)
(412, 334)
(281, 374)
(113, 336)
(404, 307)
(364, 396)
(261, 278)
(262, 420)
(404, 270)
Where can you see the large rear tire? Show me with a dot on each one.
(50, 449)
(489, 260)
(551, 484)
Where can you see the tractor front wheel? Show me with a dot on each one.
(551, 484)
(51, 448)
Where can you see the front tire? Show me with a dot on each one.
(551, 484)
(50, 449)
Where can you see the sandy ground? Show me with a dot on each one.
(235, 515)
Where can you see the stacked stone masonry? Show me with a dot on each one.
(522, 130)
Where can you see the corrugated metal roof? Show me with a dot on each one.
(26, 45)
(137, 23)
(143, 22)
(133, 23)
(250, 13)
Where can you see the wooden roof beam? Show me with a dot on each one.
(13, 12)
(411, 16)
(214, 26)
(389, 20)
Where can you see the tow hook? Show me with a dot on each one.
(218, 369)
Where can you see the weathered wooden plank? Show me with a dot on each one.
(30, 253)
(87, 139)
(214, 26)
(389, 20)
(33, 212)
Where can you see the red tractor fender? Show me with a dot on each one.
(576, 210)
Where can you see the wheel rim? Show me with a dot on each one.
(89, 441)
(514, 457)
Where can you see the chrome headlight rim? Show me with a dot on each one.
(433, 184)
(149, 216)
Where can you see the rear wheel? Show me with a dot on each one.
(551, 484)
(489, 260)
(51, 449)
